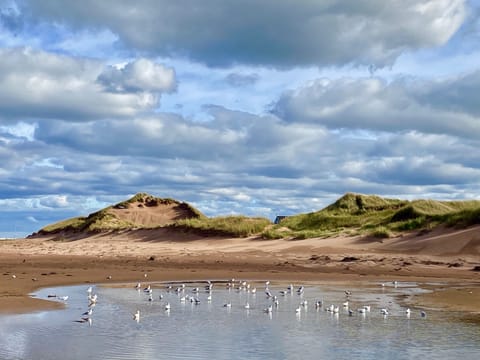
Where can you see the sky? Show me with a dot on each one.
(260, 108)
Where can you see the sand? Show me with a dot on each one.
(446, 255)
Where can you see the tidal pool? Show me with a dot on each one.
(210, 330)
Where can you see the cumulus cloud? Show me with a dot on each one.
(39, 85)
(239, 148)
(438, 107)
(138, 76)
(271, 32)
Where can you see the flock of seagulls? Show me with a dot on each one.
(272, 297)
(86, 317)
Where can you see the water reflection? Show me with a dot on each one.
(278, 324)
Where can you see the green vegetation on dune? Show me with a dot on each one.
(73, 224)
(372, 215)
(352, 214)
(240, 226)
(96, 222)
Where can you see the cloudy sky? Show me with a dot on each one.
(253, 107)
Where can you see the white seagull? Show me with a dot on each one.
(136, 316)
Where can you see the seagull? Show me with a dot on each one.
(384, 312)
(367, 308)
(304, 303)
(362, 310)
(227, 305)
(136, 316)
(63, 298)
(247, 306)
(92, 300)
(167, 306)
(318, 304)
(89, 290)
(407, 312)
(298, 309)
(345, 304)
(138, 286)
(350, 312)
(269, 309)
(88, 313)
(300, 290)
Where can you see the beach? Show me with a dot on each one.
(449, 258)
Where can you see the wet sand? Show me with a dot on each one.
(29, 264)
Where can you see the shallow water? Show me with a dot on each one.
(210, 330)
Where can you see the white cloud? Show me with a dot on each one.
(40, 85)
(438, 107)
(139, 76)
(55, 201)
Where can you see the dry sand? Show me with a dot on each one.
(448, 256)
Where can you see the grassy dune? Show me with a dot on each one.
(371, 215)
(352, 214)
